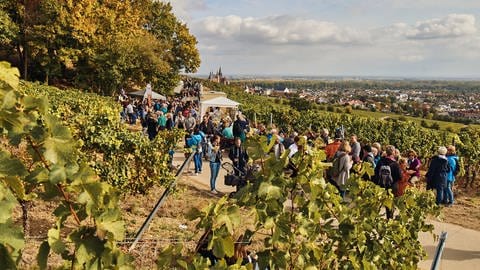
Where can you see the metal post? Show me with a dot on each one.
(159, 203)
(439, 251)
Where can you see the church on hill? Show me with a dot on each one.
(218, 77)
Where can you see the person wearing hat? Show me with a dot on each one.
(438, 173)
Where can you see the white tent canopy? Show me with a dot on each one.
(217, 102)
(141, 93)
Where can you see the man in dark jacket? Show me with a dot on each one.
(239, 156)
(438, 173)
(206, 126)
(388, 165)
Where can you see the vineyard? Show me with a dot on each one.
(403, 134)
(69, 150)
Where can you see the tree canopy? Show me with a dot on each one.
(99, 45)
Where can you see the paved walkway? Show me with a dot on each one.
(462, 248)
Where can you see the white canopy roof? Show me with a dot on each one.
(141, 93)
(217, 102)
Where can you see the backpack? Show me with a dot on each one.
(385, 176)
(336, 167)
(335, 170)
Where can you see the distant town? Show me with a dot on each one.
(448, 100)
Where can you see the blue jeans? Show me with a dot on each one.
(197, 160)
(214, 169)
(448, 193)
(440, 190)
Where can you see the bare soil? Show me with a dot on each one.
(466, 210)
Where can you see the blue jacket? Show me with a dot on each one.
(453, 162)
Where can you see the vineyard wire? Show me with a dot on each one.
(159, 203)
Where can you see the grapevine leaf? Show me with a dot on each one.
(37, 176)
(13, 123)
(9, 77)
(33, 103)
(228, 246)
(16, 185)
(182, 264)
(11, 236)
(7, 203)
(57, 174)
(58, 147)
(9, 100)
(109, 222)
(11, 166)
(42, 257)
(270, 191)
(55, 242)
(5, 258)
(218, 247)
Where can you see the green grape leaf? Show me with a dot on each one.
(55, 242)
(16, 185)
(5, 259)
(58, 147)
(9, 77)
(12, 236)
(7, 203)
(38, 175)
(9, 100)
(270, 191)
(11, 166)
(110, 222)
(57, 174)
(218, 247)
(42, 257)
(33, 103)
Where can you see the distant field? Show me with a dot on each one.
(443, 124)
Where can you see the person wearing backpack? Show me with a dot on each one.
(454, 170)
(388, 173)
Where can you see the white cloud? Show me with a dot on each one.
(411, 58)
(454, 25)
(279, 30)
(183, 8)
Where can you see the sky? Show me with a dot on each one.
(401, 38)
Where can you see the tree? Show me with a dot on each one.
(163, 24)
(100, 45)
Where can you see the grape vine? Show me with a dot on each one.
(120, 156)
(302, 223)
(88, 220)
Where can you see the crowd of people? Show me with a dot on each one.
(209, 135)
(393, 169)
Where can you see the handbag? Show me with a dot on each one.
(231, 180)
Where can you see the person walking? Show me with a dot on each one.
(215, 158)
